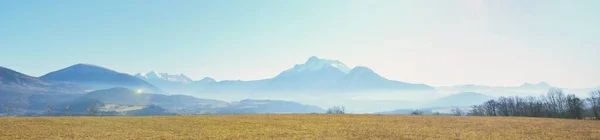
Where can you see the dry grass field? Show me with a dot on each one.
(297, 127)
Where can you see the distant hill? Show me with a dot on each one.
(124, 96)
(120, 96)
(526, 89)
(445, 104)
(150, 110)
(98, 77)
(267, 106)
(464, 99)
(541, 85)
(426, 111)
(189, 105)
(524, 86)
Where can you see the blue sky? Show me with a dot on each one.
(450, 42)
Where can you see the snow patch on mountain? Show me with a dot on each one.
(153, 75)
(315, 64)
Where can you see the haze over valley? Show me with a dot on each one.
(309, 87)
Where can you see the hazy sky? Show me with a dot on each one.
(441, 42)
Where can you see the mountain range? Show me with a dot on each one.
(314, 75)
(85, 83)
(320, 80)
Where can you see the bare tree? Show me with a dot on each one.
(574, 107)
(594, 101)
(68, 110)
(477, 110)
(555, 104)
(92, 110)
(520, 106)
(336, 110)
(504, 108)
(9, 111)
(457, 112)
(48, 109)
(416, 112)
(491, 108)
(534, 107)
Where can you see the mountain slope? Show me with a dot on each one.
(16, 88)
(315, 79)
(98, 77)
(124, 96)
(120, 96)
(363, 78)
(174, 103)
(10, 77)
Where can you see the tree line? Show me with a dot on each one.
(555, 104)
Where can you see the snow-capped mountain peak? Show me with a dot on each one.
(314, 64)
(153, 75)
